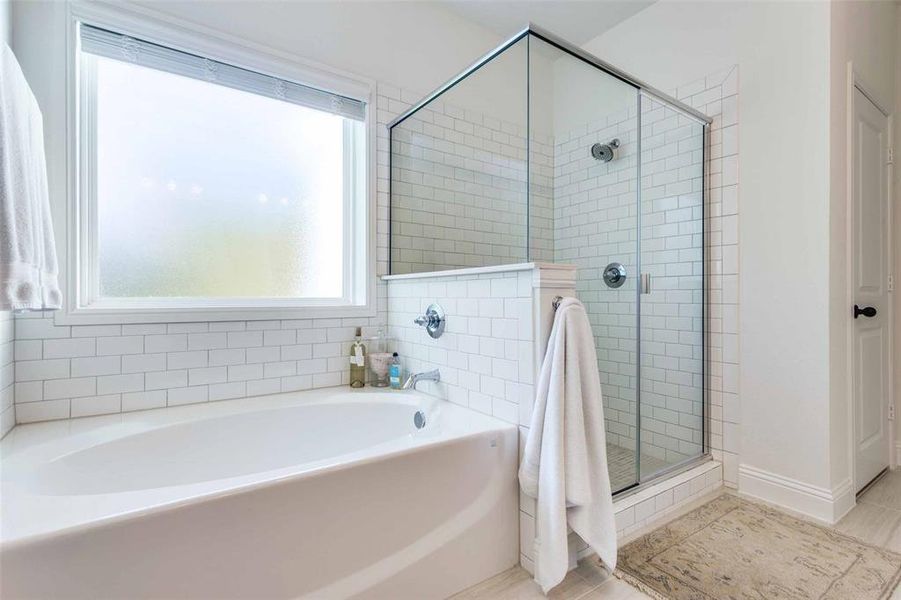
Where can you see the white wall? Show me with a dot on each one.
(897, 215)
(416, 45)
(863, 33)
(783, 160)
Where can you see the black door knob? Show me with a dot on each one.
(867, 311)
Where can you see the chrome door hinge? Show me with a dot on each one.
(891, 412)
(891, 283)
(891, 156)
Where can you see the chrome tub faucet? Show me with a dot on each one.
(415, 378)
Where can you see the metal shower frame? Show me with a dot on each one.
(532, 30)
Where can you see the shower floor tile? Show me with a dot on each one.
(621, 466)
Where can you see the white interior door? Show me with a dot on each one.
(870, 271)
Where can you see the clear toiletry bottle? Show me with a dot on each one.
(358, 361)
(394, 372)
(379, 361)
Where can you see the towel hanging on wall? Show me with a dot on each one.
(564, 465)
(28, 267)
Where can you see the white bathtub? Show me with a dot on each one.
(322, 494)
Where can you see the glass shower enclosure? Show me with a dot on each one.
(542, 152)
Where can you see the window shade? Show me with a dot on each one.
(122, 47)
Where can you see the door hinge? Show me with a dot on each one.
(891, 412)
(891, 156)
(891, 283)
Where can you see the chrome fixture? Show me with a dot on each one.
(614, 275)
(415, 378)
(433, 320)
(605, 152)
(556, 302)
(645, 283)
(419, 419)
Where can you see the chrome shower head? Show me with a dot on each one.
(604, 152)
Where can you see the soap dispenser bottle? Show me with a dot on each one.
(358, 361)
(394, 373)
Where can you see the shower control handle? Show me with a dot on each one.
(434, 320)
(614, 275)
(867, 311)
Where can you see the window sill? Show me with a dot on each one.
(110, 316)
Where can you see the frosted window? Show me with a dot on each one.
(208, 191)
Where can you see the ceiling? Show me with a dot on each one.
(577, 21)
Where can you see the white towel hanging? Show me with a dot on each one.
(28, 267)
(564, 465)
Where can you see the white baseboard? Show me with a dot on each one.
(812, 501)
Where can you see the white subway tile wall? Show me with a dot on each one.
(585, 213)
(670, 211)
(7, 372)
(641, 511)
(719, 99)
(595, 223)
(542, 220)
(672, 253)
(64, 371)
(486, 353)
(459, 191)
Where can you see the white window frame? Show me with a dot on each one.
(79, 260)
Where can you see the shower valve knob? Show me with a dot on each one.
(614, 275)
(434, 321)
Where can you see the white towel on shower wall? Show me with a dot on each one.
(564, 465)
(28, 269)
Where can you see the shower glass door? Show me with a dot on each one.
(583, 210)
(671, 292)
(543, 153)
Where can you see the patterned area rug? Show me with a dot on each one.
(733, 549)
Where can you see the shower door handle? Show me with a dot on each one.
(645, 283)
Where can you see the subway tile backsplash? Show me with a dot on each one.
(74, 371)
(486, 353)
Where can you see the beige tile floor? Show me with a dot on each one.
(876, 519)
(589, 581)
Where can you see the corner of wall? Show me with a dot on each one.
(7, 373)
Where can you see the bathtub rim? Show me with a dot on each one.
(263, 479)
